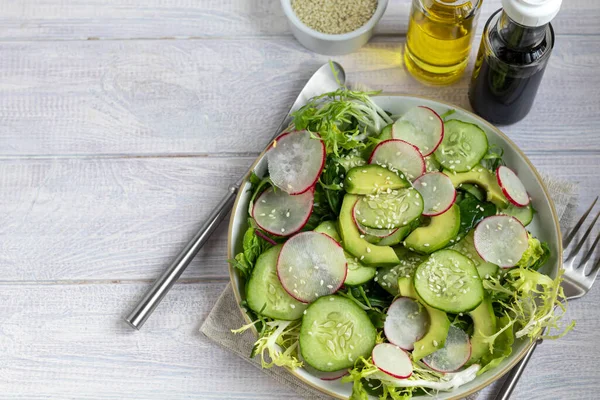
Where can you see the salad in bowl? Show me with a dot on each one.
(391, 254)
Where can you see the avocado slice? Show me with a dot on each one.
(482, 178)
(439, 324)
(329, 228)
(436, 235)
(484, 324)
(369, 179)
(357, 246)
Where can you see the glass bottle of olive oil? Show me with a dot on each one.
(439, 39)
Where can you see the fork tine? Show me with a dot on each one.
(567, 241)
(575, 251)
(594, 271)
(589, 254)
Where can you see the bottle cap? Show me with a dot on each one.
(531, 12)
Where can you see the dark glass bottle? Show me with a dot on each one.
(510, 65)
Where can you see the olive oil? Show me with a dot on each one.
(439, 39)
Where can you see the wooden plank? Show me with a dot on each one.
(61, 340)
(70, 341)
(169, 19)
(228, 96)
(110, 218)
(123, 219)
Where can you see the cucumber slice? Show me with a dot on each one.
(335, 332)
(387, 277)
(386, 132)
(388, 210)
(449, 281)
(463, 146)
(357, 272)
(264, 293)
(523, 214)
(397, 236)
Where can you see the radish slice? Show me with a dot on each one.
(295, 161)
(392, 360)
(437, 191)
(455, 353)
(500, 240)
(512, 187)
(406, 322)
(280, 213)
(365, 230)
(311, 265)
(422, 127)
(399, 155)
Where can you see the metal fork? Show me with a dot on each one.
(576, 283)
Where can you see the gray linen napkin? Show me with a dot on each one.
(226, 315)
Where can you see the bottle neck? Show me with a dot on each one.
(518, 36)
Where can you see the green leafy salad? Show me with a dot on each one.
(391, 251)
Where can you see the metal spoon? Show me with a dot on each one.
(322, 81)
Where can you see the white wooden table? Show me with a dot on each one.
(123, 122)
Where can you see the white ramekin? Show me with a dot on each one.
(332, 45)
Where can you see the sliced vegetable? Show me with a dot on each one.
(392, 360)
(449, 282)
(264, 293)
(422, 127)
(378, 233)
(389, 210)
(335, 332)
(406, 322)
(464, 145)
(324, 376)
(455, 353)
(282, 214)
(311, 265)
(437, 191)
(372, 179)
(501, 240)
(387, 277)
(399, 155)
(523, 214)
(295, 161)
(512, 187)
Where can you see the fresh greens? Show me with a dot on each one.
(342, 119)
(472, 211)
(536, 254)
(253, 246)
(529, 298)
(277, 342)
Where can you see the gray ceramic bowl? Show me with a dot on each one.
(332, 45)
(545, 226)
